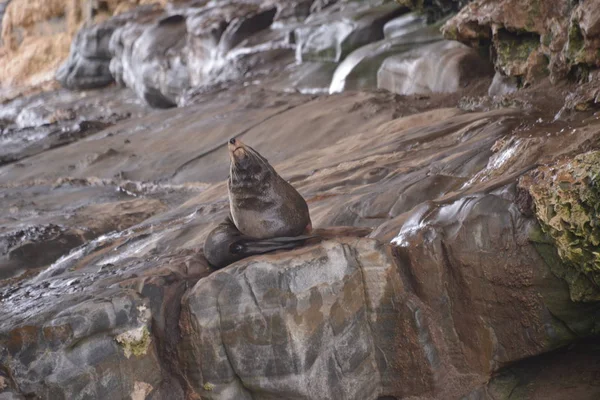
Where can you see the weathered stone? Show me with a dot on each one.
(434, 9)
(254, 330)
(331, 36)
(106, 336)
(502, 84)
(443, 67)
(402, 25)
(359, 69)
(162, 59)
(589, 19)
(566, 201)
(536, 379)
(150, 60)
(213, 32)
(90, 56)
(531, 38)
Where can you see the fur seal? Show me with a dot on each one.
(226, 245)
(262, 204)
(266, 212)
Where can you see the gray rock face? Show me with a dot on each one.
(281, 337)
(150, 59)
(102, 336)
(330, 36)
(359, 69)
(346, 318)
(441, 67)
(215, 32)
(162, 56)
(88, 65)
(404, 24)
(502, 84)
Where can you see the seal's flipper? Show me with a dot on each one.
(249, 247)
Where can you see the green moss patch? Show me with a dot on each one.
(135, 342)
(567, 205)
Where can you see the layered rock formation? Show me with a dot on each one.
(456, 283)
(479, 279)
(529, 38)
(442, 67)
(164, 56)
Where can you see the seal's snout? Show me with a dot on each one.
(237, 150)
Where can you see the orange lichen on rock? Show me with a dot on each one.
(35, 61)
(36, 35)
(26, 14)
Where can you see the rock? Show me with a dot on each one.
(359, 68)
(40, 245)
(294, 10)
(589, 19)
(502, 84)
(434, 10)
(77, 328)
(309, 78)
(332, 35)
(215, 31)
(154, 63)
(446, 66)
(531, 38)
(585, 97)
(275, 333)
(55, 119)
(469, 291)
(101, 330)
(565, 199)
(517, 273)
(402, 25)
(163, 58)
(358, 314)
(90, 56)
(536, 379)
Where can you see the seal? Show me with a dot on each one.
(226, 245)
(266, 212)
(262, 204)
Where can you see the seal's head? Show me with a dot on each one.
(238, 153)
(246, 163)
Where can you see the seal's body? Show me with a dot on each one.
(226, 245)
(263, 205)
(266, 212)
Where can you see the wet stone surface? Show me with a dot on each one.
(450, 280)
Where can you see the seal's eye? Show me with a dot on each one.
(232, 140)
(236, 248)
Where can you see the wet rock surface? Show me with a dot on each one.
(452, 286)
(469, 268)
(164, 54)
(441, 67)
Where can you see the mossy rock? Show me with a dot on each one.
(513, 52)
(135, 342)
(567, 205)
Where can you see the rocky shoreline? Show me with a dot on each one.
(479, 279)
